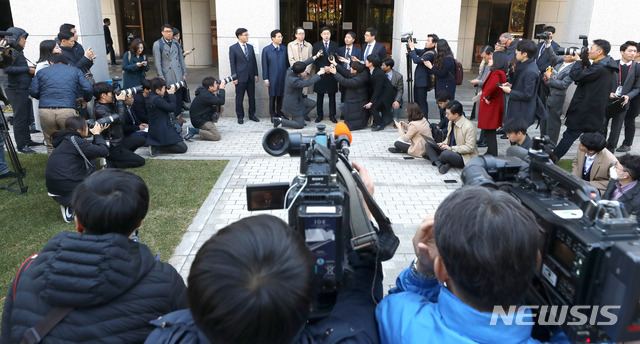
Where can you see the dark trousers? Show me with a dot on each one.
(616, 127)
(568, 137)
(179, 147)
(630, 122)
(401, 147)
(492, 143)
(381, 114)
(250, 88)
(420, 95)
(111, 53)
(122, 157)
(439, 156)
(22, 110)
(296, 122)
(179, 98)
(320, 104)
(275, 105)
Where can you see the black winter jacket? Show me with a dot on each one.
(18, 77)
(115, 133)
(77, 58)
(203, 106)
(630, 199)
(161, 130)
(116, 286)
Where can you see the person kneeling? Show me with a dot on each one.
(204, 110)
(460, 144)
(417, 127)
(162, 133)
(72, 160)
(465, 268)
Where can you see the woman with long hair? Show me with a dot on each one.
(417, 126)
(72, 160)
(444, 68)
(48, 47)
(135, 64)
(491, 108)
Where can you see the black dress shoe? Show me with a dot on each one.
(276, 122)
(34, 131)
(254, 118)
(240, 121)
(319, 119)
(377, 128)
(26, 150)
(500, 131)
(34, 144)
(333, 119)
(307, 118)
(623, 148)
(393, 150)
(504, 136)
(9, 174)
(481, 144)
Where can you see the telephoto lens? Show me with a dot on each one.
(177, 85)
(228, 79)
(104, 120)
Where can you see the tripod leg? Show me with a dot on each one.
(13, 157)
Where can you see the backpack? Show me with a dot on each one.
(459, 72)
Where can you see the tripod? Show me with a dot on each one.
(409, 76)
(21, 172)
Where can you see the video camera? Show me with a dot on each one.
(583, 51)
(324, 205)
(229, 79)
(544, 36)
(4, 34)
(591, 250)
(406, 36)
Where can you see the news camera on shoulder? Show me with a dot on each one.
(591, 250)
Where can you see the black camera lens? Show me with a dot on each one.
(276, 141)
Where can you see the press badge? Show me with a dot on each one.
(619, 91)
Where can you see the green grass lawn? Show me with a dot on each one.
(177, 190)
(565, 164)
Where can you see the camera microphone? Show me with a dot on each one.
(342, 137)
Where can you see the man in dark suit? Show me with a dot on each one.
(373, 47)
(381, 94)
(345, 52)
(422, 75)
(558, 81)
(294, 103)
(626, 85)
(244, 65)
(542, 59)
(398, 85)
(108, 40)
(327, 83)
(523, 98)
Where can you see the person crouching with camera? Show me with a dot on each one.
(162, 134)
(121, 147)
(72, 160)
(204, 110)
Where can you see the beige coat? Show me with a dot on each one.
(599, 175)
(465, 133)
(296, 55)
(413, 134)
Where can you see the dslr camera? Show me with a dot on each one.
(590, 269)
(543, 36)
(583, 51)
(104, 120)
(229, 79)
(127, 91)
(406, 36)
(324, 205)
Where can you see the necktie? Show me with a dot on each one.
(348, 57)
(542, 50)
(301, 46)
(389, 76)
(326, 47)
(366, 53)
(246, 53)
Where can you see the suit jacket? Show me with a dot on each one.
(293, 102)
(398, 85)
(296, 55)
(381, 88)
(465, 134)
(378, 49)
(422, 74)
(558, 83)
(631, 85)
(107, 35)
(245, 67)
(542, 60)
(355, 51)
(327, 83)
(599, 175)
(630, 199)
(169, 61)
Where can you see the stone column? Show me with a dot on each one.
(468, 16)
(260, 17)
(196, 31)
(420, 16)
(42, 20)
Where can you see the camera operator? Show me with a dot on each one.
(464, 266)
(422, 74)
(162, 133)
(252, 282)
(623, 186)
(101, 285)
(19, 76)
(139, 108)
(6, 58)
(204, 110)
(587, 109)
(57, 88)
(72, 160)
(133, 126)
(121, 147)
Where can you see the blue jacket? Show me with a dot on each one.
(132, 75)
(274, 68)
(422, 74)
(59, 85)
(426, 312)
(446, 77)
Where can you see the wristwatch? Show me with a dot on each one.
(419, 275)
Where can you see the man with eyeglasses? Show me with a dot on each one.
(244, 65)
(300, 50)
(169, 62)
(623, 186)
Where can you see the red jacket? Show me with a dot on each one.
(490, 115)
